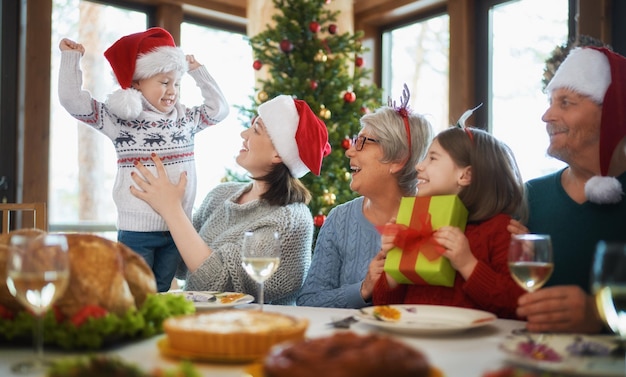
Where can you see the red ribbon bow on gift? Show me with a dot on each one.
(419, 237)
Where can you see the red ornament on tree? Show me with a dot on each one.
(349, 97)
(257, 65)
(346, 143)
(359, 61)
(286, 45)
(365, 110)
(314, 26)
(332, 28)
(318, 220)
(313, 84)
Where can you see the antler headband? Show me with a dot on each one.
(461, 122)
(404, 111)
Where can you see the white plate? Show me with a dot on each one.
(579, 355)
(427, 319)
(214, 299)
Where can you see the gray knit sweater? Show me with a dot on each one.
(169, 135)
(221, 222)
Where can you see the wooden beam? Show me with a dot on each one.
(462, 48)
(34, 112)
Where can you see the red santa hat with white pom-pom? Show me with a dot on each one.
(140, 56)
(601, 75)
(299, 136)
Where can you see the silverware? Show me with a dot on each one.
(343, 323)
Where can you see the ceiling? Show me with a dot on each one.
(371, 12)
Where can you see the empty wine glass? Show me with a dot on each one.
(260, 257)
(37, 275)
(530, 260)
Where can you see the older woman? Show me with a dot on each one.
(285, 142)
(346, 262)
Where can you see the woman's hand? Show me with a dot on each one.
(560, 309)
(390, 231)
(374, 271)
(457, 249)
(69, 45)
(161, 194)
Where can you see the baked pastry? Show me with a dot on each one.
(232, 335)
(346, 354)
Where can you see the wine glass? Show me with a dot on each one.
(608, 283)
(37, 275)
(530, 260)
(260, 257)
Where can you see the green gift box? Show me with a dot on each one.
(416, 258)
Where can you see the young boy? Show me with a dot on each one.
(142, 118)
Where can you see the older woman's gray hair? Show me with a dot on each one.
(387, 125)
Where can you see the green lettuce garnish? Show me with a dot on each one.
(96, 333)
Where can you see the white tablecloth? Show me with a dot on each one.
(466, 354)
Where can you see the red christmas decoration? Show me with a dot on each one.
(349, 97)
(314, 26)
(359, 61)
(313, 84)
(286, 45)
(319, 220)
(365, 110)
(332, 28)
(346, 143)
(257, 65)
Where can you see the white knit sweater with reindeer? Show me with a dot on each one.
(170, 135)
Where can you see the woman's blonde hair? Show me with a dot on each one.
(496, 184)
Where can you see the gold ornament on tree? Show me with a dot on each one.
(324, 112)
(320, 57)
(329, 198)
(261, 96)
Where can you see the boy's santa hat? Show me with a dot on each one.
(139, 56)
(299, 136)
(600, 74)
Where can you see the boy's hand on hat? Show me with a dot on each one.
(70, 45)
(193, 63)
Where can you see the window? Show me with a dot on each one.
(517, 60)
(216, 147)
(418, 55)
(83, 161)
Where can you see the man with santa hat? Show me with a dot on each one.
(584, 202)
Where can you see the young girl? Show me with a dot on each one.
(482, 171)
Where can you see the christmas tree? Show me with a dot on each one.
(308, 57)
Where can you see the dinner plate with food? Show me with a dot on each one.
(214, 299)
(567, 354)
(424, 319)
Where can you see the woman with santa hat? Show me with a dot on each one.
(285, 142)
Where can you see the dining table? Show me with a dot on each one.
(469, 353)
